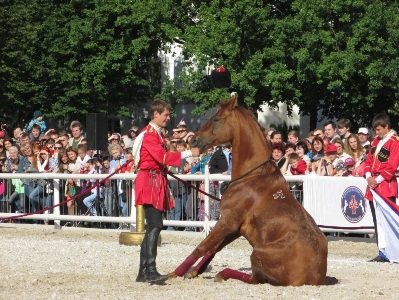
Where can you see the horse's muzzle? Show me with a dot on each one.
(197, 142)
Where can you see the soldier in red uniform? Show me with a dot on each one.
(151, 189)
(380, 166)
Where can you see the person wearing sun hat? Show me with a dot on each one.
(134, 132)
(181, 130)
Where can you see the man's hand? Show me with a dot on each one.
(372, 183)
(195, 151)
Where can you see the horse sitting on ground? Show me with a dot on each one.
(288, 246)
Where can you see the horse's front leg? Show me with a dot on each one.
(214, 242)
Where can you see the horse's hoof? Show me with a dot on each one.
(172, 275)
(219, 277)
(191, 275)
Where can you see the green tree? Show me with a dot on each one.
(74, 57)
(334, 57)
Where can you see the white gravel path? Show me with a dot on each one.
(73, 263)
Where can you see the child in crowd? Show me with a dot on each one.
(297, 165)
(90, 168)
(346, 168)
(70, 192)
(37, 119)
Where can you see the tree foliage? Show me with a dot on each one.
(338, 58)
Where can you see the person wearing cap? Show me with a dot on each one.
(134, 131)
(151, 185)
(326, 164)
(37, 119)
(363, 134)
(347, 169)
(380, 167)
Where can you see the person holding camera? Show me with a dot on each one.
(326, 164)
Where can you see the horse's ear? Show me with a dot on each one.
(233, 103)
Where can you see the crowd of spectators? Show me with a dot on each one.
(329, 151)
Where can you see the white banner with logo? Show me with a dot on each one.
(337, 201)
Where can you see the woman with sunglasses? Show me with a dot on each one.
(53, 161)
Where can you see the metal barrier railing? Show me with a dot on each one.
(193, 212)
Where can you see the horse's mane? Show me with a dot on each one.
(249, 113)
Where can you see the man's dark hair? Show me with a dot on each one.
(382, 120)
(330, 123)
(275, 133)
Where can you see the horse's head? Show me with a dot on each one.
(219, 129)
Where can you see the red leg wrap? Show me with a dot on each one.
(234, 274)
(203, 264)
(187, 264)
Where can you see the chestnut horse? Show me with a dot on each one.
(288, 247)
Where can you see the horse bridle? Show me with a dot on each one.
(249, 172)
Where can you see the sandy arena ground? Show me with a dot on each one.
(43, 263)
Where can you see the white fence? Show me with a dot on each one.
(323, 197)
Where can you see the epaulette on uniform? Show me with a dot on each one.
(395, 137)
(151, 129)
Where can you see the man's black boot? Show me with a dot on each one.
(152, 244)
(142, 276)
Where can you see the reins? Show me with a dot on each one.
(207, 194)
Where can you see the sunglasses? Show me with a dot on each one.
(62, 140)
(57, 148)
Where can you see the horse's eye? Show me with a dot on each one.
(216, 120)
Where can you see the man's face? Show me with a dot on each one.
(343, 131)
(381, 131)
(277, 138)
(24, 140)
(362, 137)
(76, 132)
(161, 119)
(35, 132)
(319, 133)
(329, 131)
(292, 139)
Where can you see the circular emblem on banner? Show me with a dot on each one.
(353, 204)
